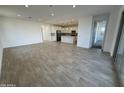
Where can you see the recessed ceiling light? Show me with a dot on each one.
(26, 6)
(74, 6)
(52, 14)
(18, 15)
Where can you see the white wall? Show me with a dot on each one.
(19, 32)
(84, 32)
(112, 30)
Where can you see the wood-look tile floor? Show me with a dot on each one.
(54, 64)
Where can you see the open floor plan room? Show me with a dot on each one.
(61, 45)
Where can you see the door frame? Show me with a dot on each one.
(105, 17)
(118, 36)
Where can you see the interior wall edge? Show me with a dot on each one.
(111, 31)
(1, 59)
(1, 53)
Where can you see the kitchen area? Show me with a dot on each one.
(66, 37)
(66, 34)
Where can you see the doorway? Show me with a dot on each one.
(99, 29)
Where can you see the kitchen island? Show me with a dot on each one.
(68, 38)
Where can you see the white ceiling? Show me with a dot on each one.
(62, 13)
